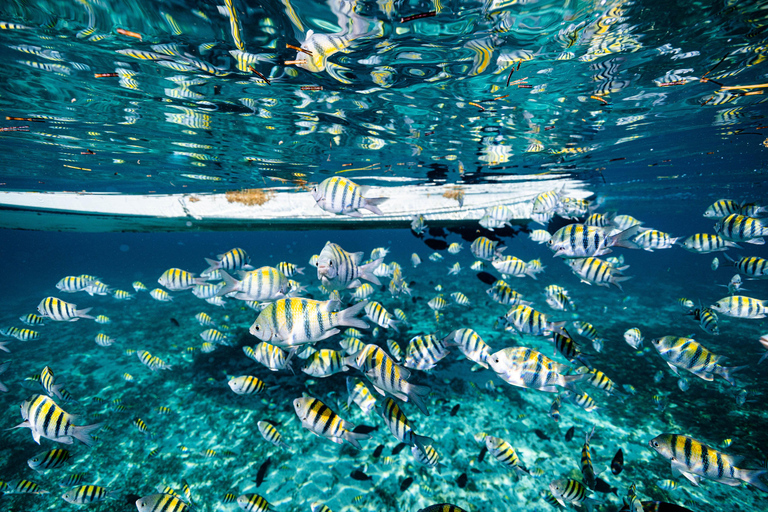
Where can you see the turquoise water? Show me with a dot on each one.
(633, 99)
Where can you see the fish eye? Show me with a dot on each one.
(654, 443)
(257, 327)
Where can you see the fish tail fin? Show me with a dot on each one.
(352, 438)
(83, 313)
(3, 347)
(348, 318)
(212, 265)
(372, 204)
(570, 380)
(731, 262)
(624, 239)
(83, 433)
(752, 477)
(417, 395)
(617, 279)
(727, 372)
(230, 284)
(421, 441)
(366, 271)
(765, 356)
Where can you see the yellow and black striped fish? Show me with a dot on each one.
(570, 491)
(694, 459)
(721, 208)
(32, 319)
(234, 259)
(704, 243)
(270, 433)
(176, 279)
(343, 196)
(87, 494)
(57, 309)
(400, 427)
(51, 459)
(46, 419)
(247, 385)
(161, 502)
(504, 453)
(253, 503)
(324, 363)
(739, 306)
(320, 419)
(751, 266)
(154, 363)
(687, 354)
(740, 228)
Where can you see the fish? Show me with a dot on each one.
(634, 338)
(486, 249)
(418, 225)
(3, 367)
(375, 312)
(270, 433)
(596, 271)
(651, 239)
(154, 363)
(405, 484)
(103, 340)
(667, 485)
(581, 241)
(387, 377)
(248, 502)
(360, 476)
(587, 471)
(57, 309)
(705, 243)
(87, 494)
(377, 452)
(511, 266)
(398, 448)
(721, 208)
(46, 419)
(261, 284)
(269, 355)
(48, 380)
(527, 320)
(72, 284)
(398, 424)
(715, 263)
(541, 435)
(569, 434)
(32, 319)
(527, 368)
(296, 321)
(455, 248)
(751, 266)
(424, 352)
(338, 269)
(51, 459)
(138, 286)
(262, 472)
(554, 409)
(470, 344)
(343, 196)
(617, 463)
(324, 363)
(571, 491)
(583, 400)
(739, 306)
(319, 419)
(739, 228)
(604, 487)
(176, 279)
(694, 460)
(462, 480)
(442, 507)
(160, 295)
(360, 394)
(687, 354)
(454, 410)
(415, 260)
(247, 385)
(707, 320)
(428, 456)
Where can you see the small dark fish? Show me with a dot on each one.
(462, 480)
(604, 487)
(405, 484)
(397, 449)
(617, 464)
(541, 435)
(436, 245)
(359, 475)
(378, 450)
(474, 470)
(569, 434)
(175, 322)
(131, 499)
(486, 277)
(364, 429)
(262, 473)
(455, 410)
(482, 454)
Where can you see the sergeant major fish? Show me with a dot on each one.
(338, 269)
(343, 196)
(46, 419)
(319, 419)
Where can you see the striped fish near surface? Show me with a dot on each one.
(651, 239)
(295, 321)
(721, 208)
(46, 419)
(57, 309)
(318, 418)
(264, 283)
(343, 196)
(176, 279)
(580, 241)
(233, 259)
(740, 228)
(694, 459)
(338, 269)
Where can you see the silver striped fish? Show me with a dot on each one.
(739, 228)
(338, 269)
(176, 279)
(739, 306)
(424, 352)
(270, 433)
(687, 354)
(46, 419)
(343, 196)
(317, 417)
(527, 368)
(264, 283)
(233, 259)
(324, 363)
(57, 309)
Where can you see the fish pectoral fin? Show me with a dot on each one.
(674, 368)
(678, 468)
(379, 390)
